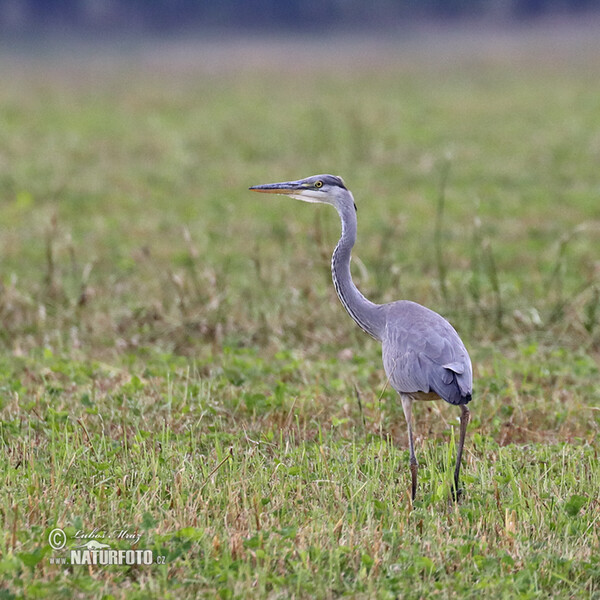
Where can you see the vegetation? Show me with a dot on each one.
(175, 362)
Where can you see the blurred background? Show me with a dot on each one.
(131, 130)
(176, 15)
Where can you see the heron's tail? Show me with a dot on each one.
(465, 399)
(452, 391)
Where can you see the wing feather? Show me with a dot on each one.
(423, 353)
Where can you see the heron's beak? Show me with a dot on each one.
(286, 187)
(299, 190)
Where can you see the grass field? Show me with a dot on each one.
(174, 361)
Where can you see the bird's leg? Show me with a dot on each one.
(407, 403)
(464, 421)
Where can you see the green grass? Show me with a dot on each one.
(174, 361)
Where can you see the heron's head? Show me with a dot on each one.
(327, 189)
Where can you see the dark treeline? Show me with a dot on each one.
(165, 15)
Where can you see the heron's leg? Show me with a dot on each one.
(464, 421)
(407, 403)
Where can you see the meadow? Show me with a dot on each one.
(174, 361)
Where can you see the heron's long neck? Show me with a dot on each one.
(367, 315)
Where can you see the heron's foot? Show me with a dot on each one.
(457, 494)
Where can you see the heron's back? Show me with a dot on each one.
(423, 353)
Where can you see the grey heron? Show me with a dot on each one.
(423, 356)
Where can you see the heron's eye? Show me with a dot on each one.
(318, 184)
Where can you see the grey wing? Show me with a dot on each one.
(423, 353)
